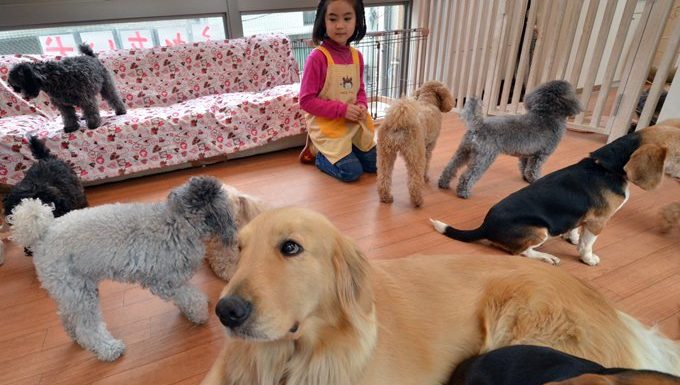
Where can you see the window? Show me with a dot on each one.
(299, 24)
(143, 34)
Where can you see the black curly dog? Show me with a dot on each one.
(71, 82)
(50, 179)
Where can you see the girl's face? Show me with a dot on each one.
(340, 21)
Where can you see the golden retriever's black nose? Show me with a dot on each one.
(233, 311)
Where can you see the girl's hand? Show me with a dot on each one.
(353, 112)
(364, 113)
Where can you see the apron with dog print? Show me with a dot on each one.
(334, 137)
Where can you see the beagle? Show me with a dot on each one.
(538, 365)
(576, 201)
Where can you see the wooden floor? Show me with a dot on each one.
(639, 273)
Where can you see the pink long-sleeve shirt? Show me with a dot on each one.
(314, 77)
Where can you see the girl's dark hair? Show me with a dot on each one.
(319, 31)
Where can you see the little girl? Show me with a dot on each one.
(333, 96)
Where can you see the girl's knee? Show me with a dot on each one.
(349, 172)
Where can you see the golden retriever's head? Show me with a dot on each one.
(296, 274)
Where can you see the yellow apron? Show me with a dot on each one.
(334, 137)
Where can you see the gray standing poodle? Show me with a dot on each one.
(157, 245)
(531, 137)
(71, 82)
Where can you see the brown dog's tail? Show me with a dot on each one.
(460, 235)
(402, 115)
(85, 49)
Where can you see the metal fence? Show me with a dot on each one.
(393, 64)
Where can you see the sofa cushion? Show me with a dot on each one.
(156, 137)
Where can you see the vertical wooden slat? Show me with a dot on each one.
(460, 44)
(486, 46)
(614, 58)
(524, 59)
(458, 38)
(463, 80)
(499, 22)
(551, 39)
(595, 59)
(660, 78)
(494, 91)
(583, 42)
(448, 12)
(433, 42)
(542, 20)
(477, 48)
(566, 37)
(517, 21)
(645, 44)
(671, 108)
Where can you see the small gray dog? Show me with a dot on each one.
(531, 137)
(157, 245)
(71, 82)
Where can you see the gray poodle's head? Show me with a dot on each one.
(205, 205)
(25, 80)
(556, 98)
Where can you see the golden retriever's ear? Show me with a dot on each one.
(351, 276)
(645, 167)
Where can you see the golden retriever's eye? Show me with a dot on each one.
(290, 248)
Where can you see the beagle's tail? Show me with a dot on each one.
(29, 221)
(460, 235)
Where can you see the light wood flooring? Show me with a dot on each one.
(639, 273)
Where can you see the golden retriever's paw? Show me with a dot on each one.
(590, 259)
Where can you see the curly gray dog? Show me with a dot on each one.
(71, 82)
(157, 245)
(532, 137)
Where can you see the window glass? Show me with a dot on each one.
(143, 34)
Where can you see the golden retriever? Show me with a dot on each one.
(305, 307)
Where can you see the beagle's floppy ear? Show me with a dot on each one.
(351, 277)
(645, 167)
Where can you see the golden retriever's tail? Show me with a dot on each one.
(652, 350)
(460, 235)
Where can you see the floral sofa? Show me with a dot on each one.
(187, 105)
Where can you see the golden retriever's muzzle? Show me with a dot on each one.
(233, 311)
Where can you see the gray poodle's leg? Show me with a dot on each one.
(386, 159)
(459, 158)
(82, 318)
(68, 115)
(479, 163)
(110, 94)
(532, 171)
(91, 112)
(523, 160)
(191, 301)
